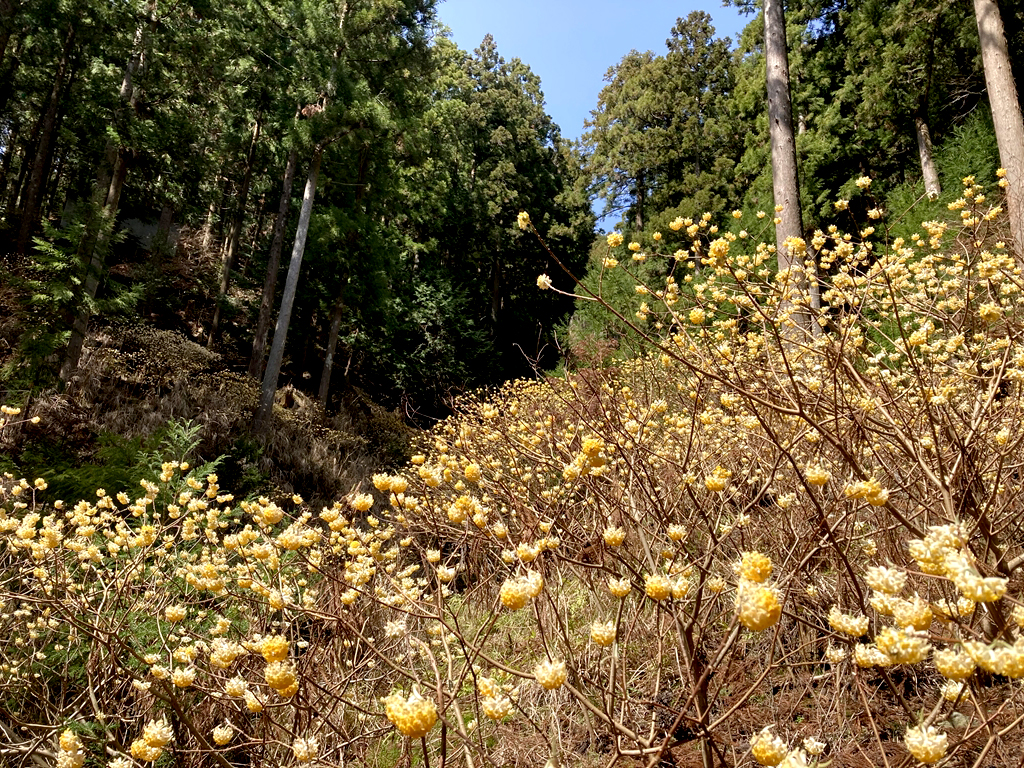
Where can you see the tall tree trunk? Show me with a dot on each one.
(40, 166)
(54, 171)
(5, 166)
(25, 166)
(211, 223)
(337, 312)
(255, 233)
(1006, 114)
(94, 271)
(8, 69)
(261, 422)
(109, 185)
(259, 341)
(785, 186)
(932, 187)
(49, 202)
(6, 22)
(234, 235)
(162, 238)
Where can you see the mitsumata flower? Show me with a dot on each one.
(414, 716)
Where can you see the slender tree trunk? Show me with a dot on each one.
(162, 238)
(25, 166)
(94, 272)
(211, 223)
(261, 423)
(6, 18)
(234, 235)
(254, 238)
(308, 321)
(1006, 113)
(932, 187)
(52, 172)
(259, 341)
(337, 312)
(109, 186)
(40, 167)
(5, 166)
(56, 175)
(785, 186)
(8, 69)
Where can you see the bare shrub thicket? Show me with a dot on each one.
(765, 539)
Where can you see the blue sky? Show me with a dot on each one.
(570, 44)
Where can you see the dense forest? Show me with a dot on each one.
(159, 164)
(335, 431)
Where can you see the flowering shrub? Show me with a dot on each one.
(781, 514)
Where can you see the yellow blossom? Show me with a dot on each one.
(414, 716)
(926, 743)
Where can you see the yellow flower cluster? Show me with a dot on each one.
(550, 674)
(883, 579)
(998, 658)
(855, 626)
(614, 536)
(658, 586)
(817, 475)
(602, 633)
(754, 566)
(274, 648)
(915, 613)
(71, 753)
(413, 716)
(718, 479)
(516, 593)
(223, 652)
(496, 707)
(223, 733)
(926, 743)
(591, 460)
(305, 750)
(954, 665)
(969, 582)
(757, 606)
(903, 646)
(156, 735)
(767, 748)
(619, 587)
(280, 675)
(870, 490)
(175, 613)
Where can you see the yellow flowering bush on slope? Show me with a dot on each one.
(782, 519)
